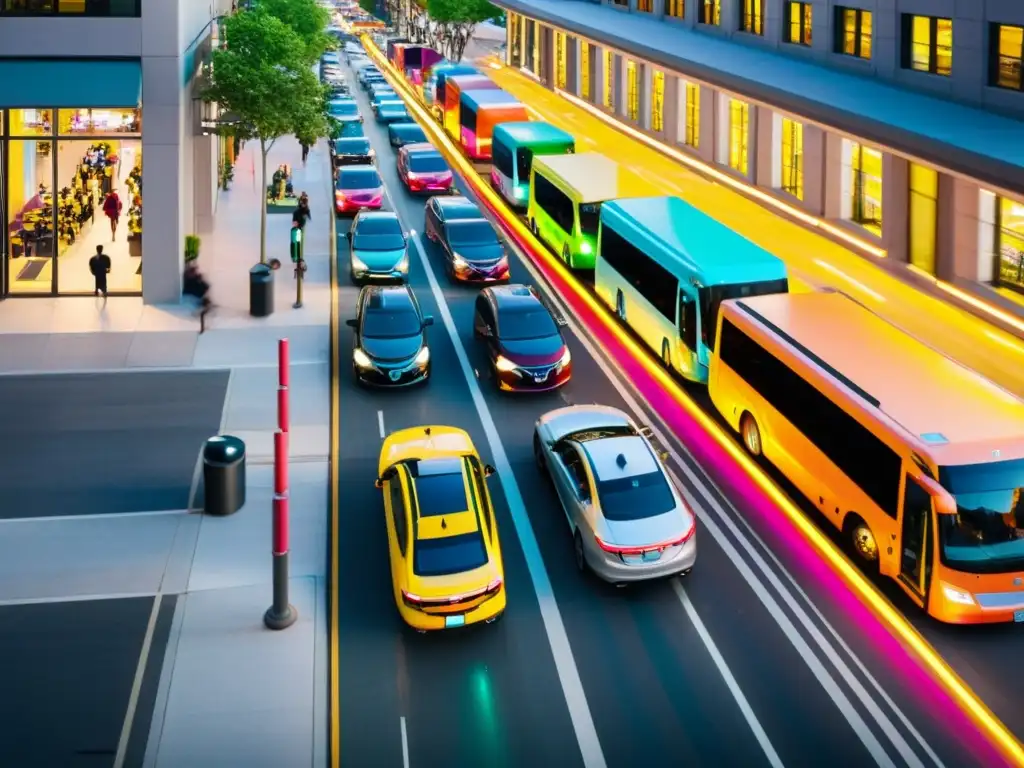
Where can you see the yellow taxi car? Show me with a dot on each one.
(446, 567)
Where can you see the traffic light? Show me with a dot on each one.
(296, 244)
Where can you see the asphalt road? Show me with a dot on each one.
(748, 661)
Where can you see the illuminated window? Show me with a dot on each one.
(675, 8)
(923, 214)
(647, 6)
(529, 44)
(658, 101)
(31, 122)
(70, 7)
(798, 23)
(98, 122)
(608, 78)
(793, 158)
(853, 32)
(866, 187)
(584, 69)
(692, 132)
(514, 54)
(752, 17)
(1007, 46)
(560, 60)
(632, 91)
(535, 53)
(1010, 234)
(710, 12)
(739, 115)
(927, 44)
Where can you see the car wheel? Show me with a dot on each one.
(567, 256)
(578, 554)
(751, 435)
(862, 542)
(538, 454)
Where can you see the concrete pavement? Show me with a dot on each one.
(105, 564)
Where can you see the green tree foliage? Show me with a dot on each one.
(370, 6)
(456, 20)
(263, 78)
(307, 19)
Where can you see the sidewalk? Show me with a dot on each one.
(230, 692)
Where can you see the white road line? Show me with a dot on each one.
(380, 424)
(727, 676)
(98, 516)
(75, 598)
(558, 639)
(405, 743)
(140, 673)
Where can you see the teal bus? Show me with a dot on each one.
(513, 146)
(665, 268)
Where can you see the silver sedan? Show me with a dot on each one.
(627, 520)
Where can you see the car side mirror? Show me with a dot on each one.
(428, 321)
(378, 483)
(489, 470)
(942, 501)
(352, 323)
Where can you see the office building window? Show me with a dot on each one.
(658, 101)
(923, 214)
(927, 44)
(1006, 46)
(710, 12)
(632, 91)
(752, 17)
(798, 23)
(608, 78)
(70, 8)
(739, 131)
(862, 186)
(853, 32)
(585, 70)
(561, 60)
(675, 9)
(646, 6)
(1010, 243)
(792, 176)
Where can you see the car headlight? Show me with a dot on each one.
(519, 193)
(403, 264)
(958, 596)
(423, 357)
(504, 364)
(358, 265)
(361, 359)
(585, 248)
(565, 359)
(458, 262)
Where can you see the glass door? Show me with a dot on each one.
(916, 540)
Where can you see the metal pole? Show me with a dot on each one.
(281, 614)
(300, 268)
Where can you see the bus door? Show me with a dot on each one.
(688, 334)
(917, 537)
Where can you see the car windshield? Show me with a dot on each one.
(391, 323)
(359, 179)
(635, 498)
(711, 299)
(353, 146)
(519, 325)
(379, 225)
(986, 535)
(477, 232)
(590, 215)
(448, 555)
(343, 108)
(422, 162)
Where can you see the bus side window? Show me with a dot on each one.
(688, 321)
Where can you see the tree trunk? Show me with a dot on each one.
(264, 151)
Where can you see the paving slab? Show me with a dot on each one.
(252, 397)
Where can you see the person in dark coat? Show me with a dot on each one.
(99, 266)
(302, 214)
(195, 285)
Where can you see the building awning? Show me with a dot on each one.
(70, 83)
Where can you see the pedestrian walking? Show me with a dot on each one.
(302, 214)
(195, 285)
(305, 150)
(99, 266)
(112, 210)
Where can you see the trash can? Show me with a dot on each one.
(261, 291)
(223, 475)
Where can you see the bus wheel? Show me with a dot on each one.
(620, 306)
(862, 540)
(666, 354)
(566, 256)
(751, 434)
(533, 227)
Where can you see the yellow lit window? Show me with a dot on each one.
(1009, 56)
(608, 78)
(793, 158)
(658, 101)
(647, 6)
(798, 29)
(632, 91)
(923, 213)
(867, 187)
(710, 12)
(739, 112)
(853, 27)
(1011, 243)
(692, 137)
(675, 8)
(584, 69)
(752, 17)
(537, 32)
(560, 60)
(928, 44)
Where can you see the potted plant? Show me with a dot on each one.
(192, 243)
(227, 174)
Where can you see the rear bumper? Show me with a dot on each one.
(617, 572)
(428, 622)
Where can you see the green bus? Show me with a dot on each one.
(513, 147)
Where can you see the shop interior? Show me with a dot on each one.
(1011, 244)
(59, 193)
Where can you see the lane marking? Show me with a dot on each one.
(405, 742)
(163, 690)
(78, 598)
(727, 676)
(554, 627)
(97, 516)
(140, 673)
(334, 652)
(380, 424)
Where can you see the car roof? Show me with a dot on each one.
(457, 203)
(350, 169)
(352, 140)
(615, 458)
(380, 297)
(376, 216)
(465, 223)
(405, 127)
(421, 148)
(514, 297)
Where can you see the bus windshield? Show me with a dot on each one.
(711, 299)
(986, 535)
(590, 215)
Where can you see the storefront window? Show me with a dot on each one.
(585, 70)
(632, 91)
(689, 96)
(71, 7)
(529, 45)
(99, 203)
(866, 187)
(739, 115)
(608, 78)
(29, 190)
(515, 44)
(658, 101)
(31, 122)
(793, 158)
(924, 207)
(535, 49)
(1011, 244)
(93, 122)
(561, 60)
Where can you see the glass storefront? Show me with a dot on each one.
(924, 217)
(72, 182)
(658, 101)
(739, 130)
(689, 96)
(632, 91)
(561, 60)
(608, 78)
(530, 44)
(585, 70)
(515, 42)
(866, 187)
(792, 176)
(1010, 248)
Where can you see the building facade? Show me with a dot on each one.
(99, 115)
(806, 126)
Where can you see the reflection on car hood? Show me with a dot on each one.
(380, 260)
(392, 350)
(530, 352)
(471, 253)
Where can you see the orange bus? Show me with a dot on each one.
(918, 460)
(454, 87)
(479, 112)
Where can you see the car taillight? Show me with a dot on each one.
(676, 542)
(411, 600)
(494, 586)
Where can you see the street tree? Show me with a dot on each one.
(457, 19)
(264, 80)
(370, 6)
(307, 19)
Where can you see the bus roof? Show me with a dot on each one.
(593, 176)
(959, 415)
(468, 81)
(531, 132)
(489, 98)
(698, 242)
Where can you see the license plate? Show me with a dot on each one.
(454, 621)
(1018, 616)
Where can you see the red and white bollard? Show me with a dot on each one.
(281, 614)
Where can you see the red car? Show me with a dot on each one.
(422, 169)
(358, 188)
(525, 349)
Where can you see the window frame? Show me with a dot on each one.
(691, 128)
(997, 57)
(675, 9)
(803, 24)
(752, 17)
(909, 45)
(863, 31)
(710, 13)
